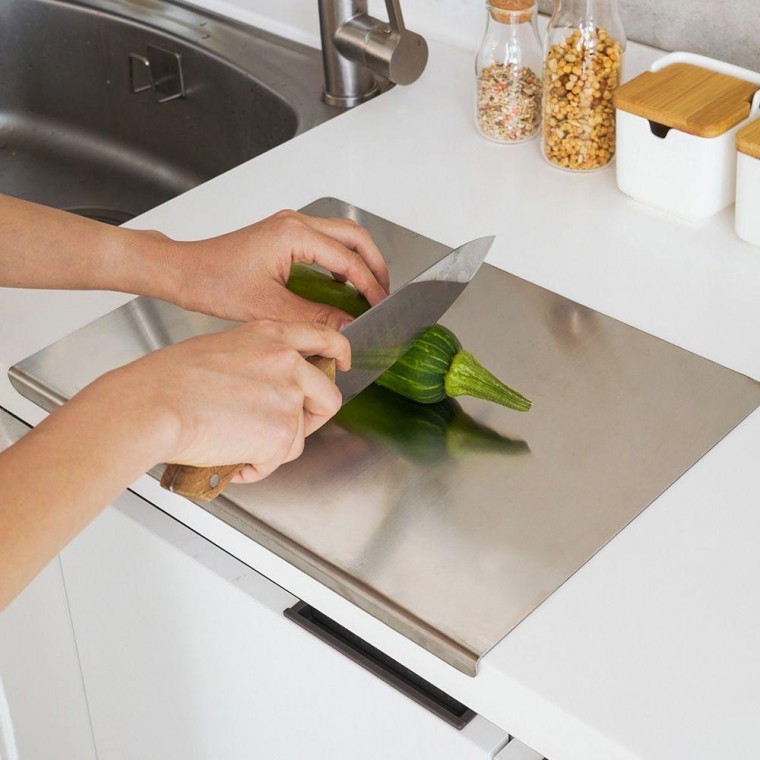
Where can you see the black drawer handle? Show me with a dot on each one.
(385, 668)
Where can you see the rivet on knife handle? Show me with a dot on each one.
(206, 483)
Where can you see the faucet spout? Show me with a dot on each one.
(357, 47)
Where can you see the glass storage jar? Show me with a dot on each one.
(583, 56)
(508, 71)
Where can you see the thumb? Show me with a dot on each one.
(299, 309)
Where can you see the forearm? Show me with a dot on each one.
(42, 247)
(64, 472)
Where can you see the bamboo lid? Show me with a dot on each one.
(511, 11)
(688, 98)
(748, 139)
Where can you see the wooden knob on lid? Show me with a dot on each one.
(512, 11)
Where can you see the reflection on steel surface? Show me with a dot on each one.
(426, 434)
(454, 551)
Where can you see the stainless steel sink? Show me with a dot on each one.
(82, 129)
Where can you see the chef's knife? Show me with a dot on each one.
(378, 338)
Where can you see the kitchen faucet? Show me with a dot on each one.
(356, 47)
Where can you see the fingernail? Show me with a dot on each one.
(346, 323)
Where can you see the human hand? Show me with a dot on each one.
(245, 395)
(240, 276)
(243, 275)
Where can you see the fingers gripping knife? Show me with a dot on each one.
(206, 483)
(378, 338)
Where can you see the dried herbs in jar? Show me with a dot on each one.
(508, 108)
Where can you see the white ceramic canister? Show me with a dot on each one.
(748, 183)
(676, 133)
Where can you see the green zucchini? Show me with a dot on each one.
(434, 368)
(437, 367)
(320, 287)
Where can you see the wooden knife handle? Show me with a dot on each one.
(206, 483)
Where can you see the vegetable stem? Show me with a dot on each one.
(468, 377)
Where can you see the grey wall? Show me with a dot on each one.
(724, 29)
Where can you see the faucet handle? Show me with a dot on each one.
(395, 16)
(394, 52)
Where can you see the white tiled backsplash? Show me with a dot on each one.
(725, 29)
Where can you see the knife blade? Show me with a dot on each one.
(378, 338)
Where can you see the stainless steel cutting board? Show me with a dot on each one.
(449, 543)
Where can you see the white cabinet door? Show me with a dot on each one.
(39, 667)
(186, 654)
(40, 673)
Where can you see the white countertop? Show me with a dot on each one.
(647, 651)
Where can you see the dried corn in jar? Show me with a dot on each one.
(582, 69)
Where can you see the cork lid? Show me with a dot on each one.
(748, 139)
(688, 98)
(511, 11)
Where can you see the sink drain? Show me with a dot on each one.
(106, 215)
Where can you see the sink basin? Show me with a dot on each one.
(75, 135)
